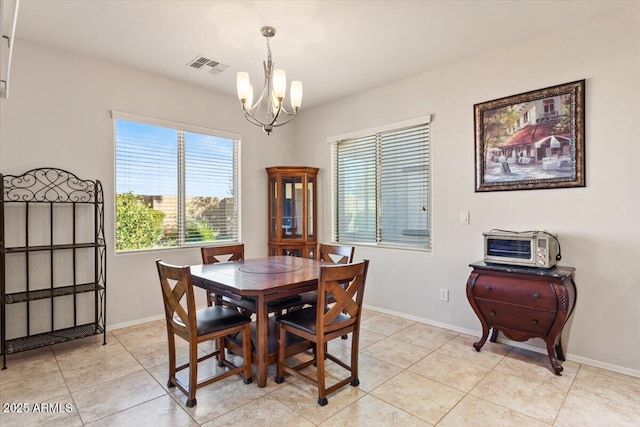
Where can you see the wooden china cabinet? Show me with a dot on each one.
(292, 210)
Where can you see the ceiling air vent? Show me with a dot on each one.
(206, 64)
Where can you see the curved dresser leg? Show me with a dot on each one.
(485, 333)
(557, 367)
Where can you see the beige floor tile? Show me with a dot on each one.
(473, 411)
(536, 367)
(618, 391)
(340, 348)
(160, 412)
(44, 388)
(142, 335)
(592, 369)
(263, 412)
(82, 344)
(367, 312)
(537, 400)
(219, 398)
(27, 364)
(370, 411)
(398, 353)
(157, 353)
(426, 336)
(89, 353)
(113, 396)
(206, 369)
(302, 398)
(462, 347)
(58, 418)
(385, 324)
(114, 363)
(578, 411)
(419, 396)
(433, 369)
(372, 372)
(368, 338)
(457, 373)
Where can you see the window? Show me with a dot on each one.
(381, 186)
(175, 184)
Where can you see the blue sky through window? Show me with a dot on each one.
(147, 161)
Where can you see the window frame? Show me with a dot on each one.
(335, 140)
(181, 127)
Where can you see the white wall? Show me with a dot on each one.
(597, 225)
(58, 114)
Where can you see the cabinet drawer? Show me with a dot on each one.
(515, 317)
(516, 291)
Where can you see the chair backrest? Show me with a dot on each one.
(175, 282)
(213, 254)
(346, 285)
(335, 254)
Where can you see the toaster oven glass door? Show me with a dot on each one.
(511, 248)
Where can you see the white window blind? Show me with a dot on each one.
(381, 186)
(174, 187)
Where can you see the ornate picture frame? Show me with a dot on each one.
(533, 140)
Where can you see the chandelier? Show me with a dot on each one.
(271, 100)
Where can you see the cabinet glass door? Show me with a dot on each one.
(310, 202)
(273, 208)
(291, 207)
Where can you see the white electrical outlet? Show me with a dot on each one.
(444, 295)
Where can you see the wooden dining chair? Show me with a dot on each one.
(195, 326)
(331, 254)
(245, 304)
(214, 254)
(322, 323)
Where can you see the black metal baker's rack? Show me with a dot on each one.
(56, 206)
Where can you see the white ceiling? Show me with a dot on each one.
(337, 48)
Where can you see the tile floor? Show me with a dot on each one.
(411, 374)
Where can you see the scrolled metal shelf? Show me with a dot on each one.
(54, 337)
(17, 297)
(18, 249)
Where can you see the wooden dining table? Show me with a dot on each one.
(265, 279)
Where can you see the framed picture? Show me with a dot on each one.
(530, 141)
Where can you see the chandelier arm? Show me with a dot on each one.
(253, 120)
(292, 116)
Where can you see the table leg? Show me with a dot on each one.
(262, 326)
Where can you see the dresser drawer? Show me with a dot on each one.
(537, 295)
(515, 317)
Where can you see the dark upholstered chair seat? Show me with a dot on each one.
(305, 319)
(278, 305)
(216, 318)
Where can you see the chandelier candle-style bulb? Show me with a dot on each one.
(279, 83)
(243, 85)
(295, 93)
(273, 93)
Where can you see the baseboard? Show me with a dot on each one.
(134, 322)
(501, 339)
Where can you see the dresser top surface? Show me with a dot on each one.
(557, 271)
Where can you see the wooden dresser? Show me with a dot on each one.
(523, 303)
